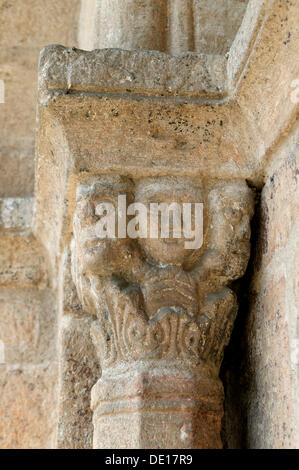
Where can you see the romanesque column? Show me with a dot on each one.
(163, 313)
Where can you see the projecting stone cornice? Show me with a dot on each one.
(141, 73)
(229, 116)
(191, 75)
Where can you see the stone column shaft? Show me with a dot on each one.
(180, 26)
(162, 408)
(131, 24)
(86, 30)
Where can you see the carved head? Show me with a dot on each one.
(169, 190)
(93, 256)
(231, 208)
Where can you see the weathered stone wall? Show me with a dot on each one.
(262, 382)
(26, 26)
(28, 369)
(28, 363)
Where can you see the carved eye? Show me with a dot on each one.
(233, 214)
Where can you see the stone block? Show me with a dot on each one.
(21, 261)
(79, 368)
(18, 69)
(28, 325)
(216, 24)
(17, 168)
(28, 414)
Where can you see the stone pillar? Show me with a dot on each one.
(86, 30)
(181, 26)
(131, 24)
(163, 313)
(165, 407)
(172, 26)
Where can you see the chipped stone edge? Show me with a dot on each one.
(152, 74)
(65, 70)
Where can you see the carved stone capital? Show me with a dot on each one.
(163, 313)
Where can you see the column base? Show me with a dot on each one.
(157, 409)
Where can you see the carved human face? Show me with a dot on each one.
(230, 211)
(169, 250)
(101, 256)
